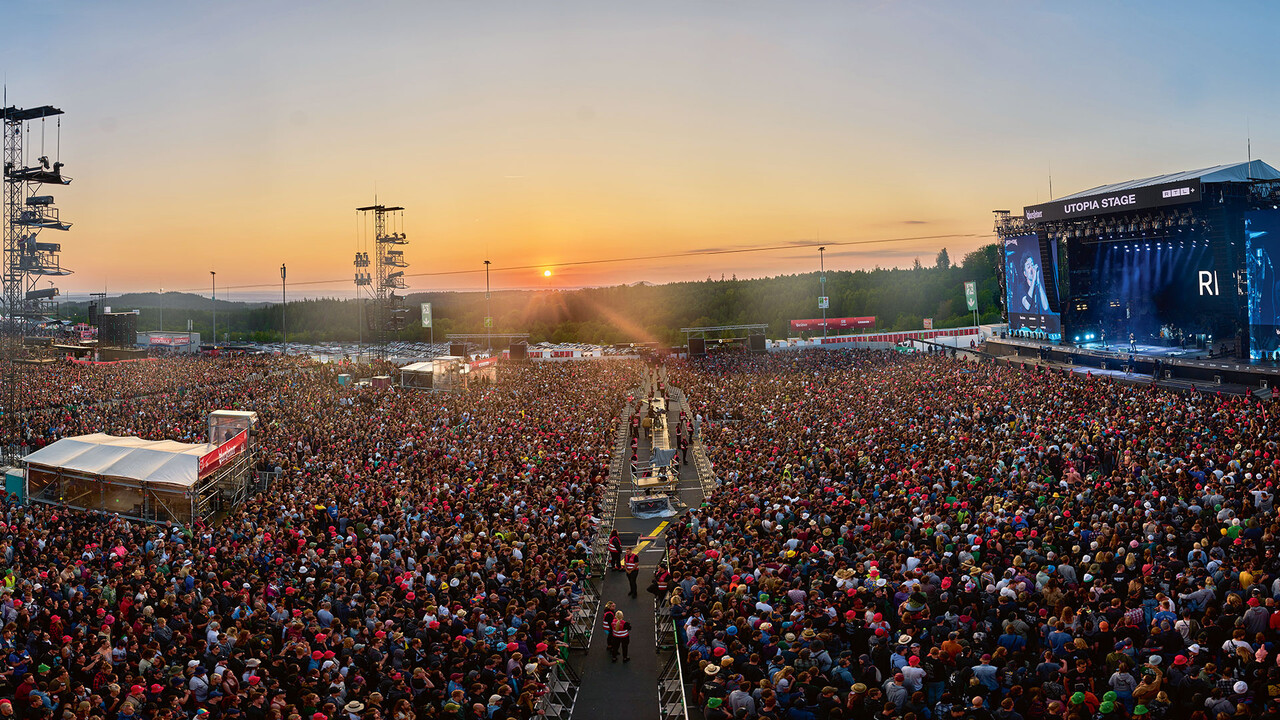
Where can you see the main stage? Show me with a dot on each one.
(1180, 267)
(1193, 369)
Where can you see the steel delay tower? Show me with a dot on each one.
(388, 313)
(25, 259)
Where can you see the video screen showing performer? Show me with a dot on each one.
(1262, 254)
(1030, 287)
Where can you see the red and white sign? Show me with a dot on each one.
(170, 340)
(895, 337)
(835, 323)
(224, 454)
(484, 362)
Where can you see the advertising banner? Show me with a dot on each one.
(170, 340)
(225, 453)
(1174, 193)
(844, 323)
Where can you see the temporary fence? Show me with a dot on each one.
(561, 691)
(706, 471)
(582, 621)
(609, 504)
(672, 701)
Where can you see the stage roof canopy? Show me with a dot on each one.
(160, 462)
(1237, 172)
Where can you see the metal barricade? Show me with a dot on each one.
(706, 471)
(599, 559)
(582, 621)
(562, 685)
(672, 701)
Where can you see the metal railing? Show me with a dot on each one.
(561, 692)
(582, 620)
(672, 701)
(706, 471)
(664, 633)
(599, 558)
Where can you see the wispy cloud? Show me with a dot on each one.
(915, 222)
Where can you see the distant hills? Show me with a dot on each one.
(168, 300)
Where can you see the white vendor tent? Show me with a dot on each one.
(159, 462)
(145, 479)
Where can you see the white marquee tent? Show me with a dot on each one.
(160, 462)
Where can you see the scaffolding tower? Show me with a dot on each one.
(388, 313)
(28, 210)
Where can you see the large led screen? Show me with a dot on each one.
(1031, 286)
(1262, 255)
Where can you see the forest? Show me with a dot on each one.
(900, 299)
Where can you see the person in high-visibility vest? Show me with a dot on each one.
(615, 551)
(632, 566)
(620, 638)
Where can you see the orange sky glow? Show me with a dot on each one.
(238, 136)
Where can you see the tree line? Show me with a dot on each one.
(900, 299)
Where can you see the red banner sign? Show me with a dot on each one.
(170, 340)
(835, 323)
(225, 452)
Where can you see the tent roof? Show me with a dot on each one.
(418, 367)
(1235, 172)
(159, 462)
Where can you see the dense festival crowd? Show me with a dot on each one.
(921, 537)
(417, 558)
(893, 536)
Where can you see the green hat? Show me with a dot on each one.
(1110, 696)
(452, 707)
(42, 668)
(1077, 699)
(1140, 710)
(1107, 707)
(714, 702)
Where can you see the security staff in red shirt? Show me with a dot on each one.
(632, 565)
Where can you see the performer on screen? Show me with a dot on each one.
(1035, 300)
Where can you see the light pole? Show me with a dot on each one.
(213, 278)
(284, 303)
(822, 286)
(162, 310)
(488, 318)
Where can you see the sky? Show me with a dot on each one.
(237, 136)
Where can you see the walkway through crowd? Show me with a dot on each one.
(618, 690)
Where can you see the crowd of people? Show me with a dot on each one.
(418, 557)
(921, 537)
(892, 536)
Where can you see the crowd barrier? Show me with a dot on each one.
(561, 692)
(672, 700)
(599, 558)
(583, 618)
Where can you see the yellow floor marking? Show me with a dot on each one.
(656, 531)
